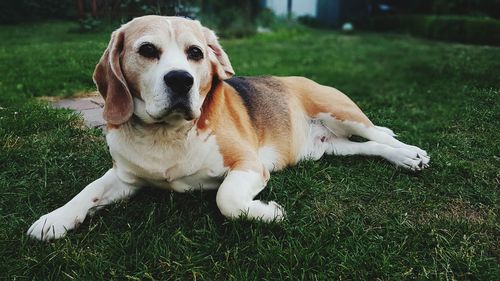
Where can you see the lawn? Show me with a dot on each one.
(349, 218)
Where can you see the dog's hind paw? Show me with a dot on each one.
(410, 159)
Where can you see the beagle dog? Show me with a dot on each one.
(178, 119)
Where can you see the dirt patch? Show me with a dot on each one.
(89, 104)
(457, 209)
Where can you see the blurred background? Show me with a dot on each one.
(425, 68)
(468, 21)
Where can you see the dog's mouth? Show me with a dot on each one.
(172, 115)
(181, 109)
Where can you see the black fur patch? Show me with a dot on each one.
(246, 91)
(264, 99)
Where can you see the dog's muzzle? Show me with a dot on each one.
(179, 83)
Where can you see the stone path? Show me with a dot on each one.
(90, 106)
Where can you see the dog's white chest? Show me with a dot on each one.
(180, 161)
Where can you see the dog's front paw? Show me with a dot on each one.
(266, 211)
(279, 212)
(54, 225)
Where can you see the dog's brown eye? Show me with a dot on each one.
(148, 50)
(194, 53)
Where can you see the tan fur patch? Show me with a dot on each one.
(317, 99)
(223, 113)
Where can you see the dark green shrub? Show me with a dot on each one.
(310, 21)
(14, 11)
(89, 24)
(489, 8)
(266, 18)
(230, 18)
(482, 31)
(134, 8)
(471, 30)
(444, 28)
(232, 24)
(466, 7)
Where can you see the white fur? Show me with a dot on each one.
(330, 135)
(314, 148)
(236, 193)
(386, 130)
(168, 158)
(398, 156)
(103, 191)
(269, 157)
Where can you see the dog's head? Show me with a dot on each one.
(160, 69)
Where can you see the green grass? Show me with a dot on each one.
(349, 218)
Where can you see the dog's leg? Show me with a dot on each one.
(236, 193)
(103, 191)
(386, 130)
(381, 138)
(398, 156)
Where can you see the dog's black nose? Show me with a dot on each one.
(179, 81)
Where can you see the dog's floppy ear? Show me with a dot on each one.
(217, 55)
(111, 83)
